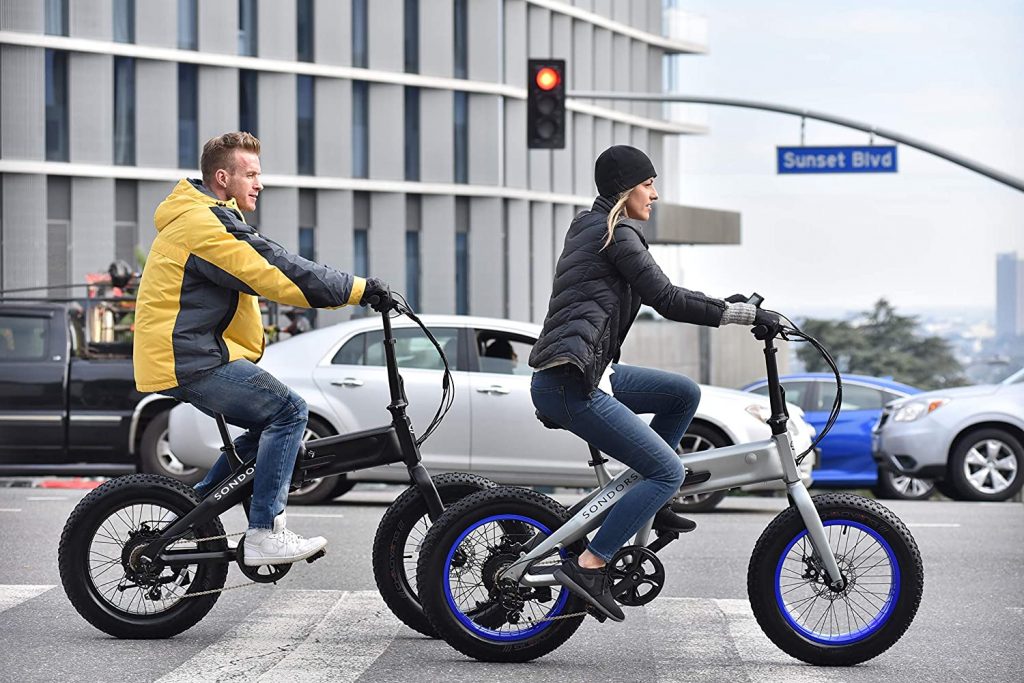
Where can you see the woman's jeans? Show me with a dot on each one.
(611, 424)
(275, 418)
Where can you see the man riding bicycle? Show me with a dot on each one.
(199, 332)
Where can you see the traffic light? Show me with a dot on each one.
(545, 104)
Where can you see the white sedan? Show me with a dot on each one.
(490, 430)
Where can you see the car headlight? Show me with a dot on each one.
(915, 410)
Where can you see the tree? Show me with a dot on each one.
(882, 343)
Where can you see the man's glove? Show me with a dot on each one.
(376, 295)
(766, 324)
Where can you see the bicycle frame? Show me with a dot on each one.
(389, 444)
(716, 469)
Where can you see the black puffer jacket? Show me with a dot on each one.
(597, 294)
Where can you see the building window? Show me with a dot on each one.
(248, 101)
(56, 17)
(462, 256)
(412, 268)
(126, 220)
(461, 137)
(188, 25)
(412, 133)
(58, 233)
(461, 20)
(360, 129)
(360, 28)
(304, 30)
(124, 21)
(56, 105)
(307, 224)
(412, 36)
(124, 111)
(188, 116)
(248, 25)
(361, 247)
(306, 122)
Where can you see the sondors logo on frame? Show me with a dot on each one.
(607, 498)
(234, 483)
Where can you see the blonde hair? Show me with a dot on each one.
(617, 212)
(219, 152)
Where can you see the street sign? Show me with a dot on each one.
(849, 159)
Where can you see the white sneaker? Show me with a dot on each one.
(280, 545)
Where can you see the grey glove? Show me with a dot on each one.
(739, 314)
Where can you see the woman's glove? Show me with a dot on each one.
(739, 314)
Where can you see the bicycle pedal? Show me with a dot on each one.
(313, 558)
(597, 614)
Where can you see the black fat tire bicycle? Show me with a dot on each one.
(834, 579)
(144, 556)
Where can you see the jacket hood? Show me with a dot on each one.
(188, 194)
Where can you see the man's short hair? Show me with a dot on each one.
(219, 152)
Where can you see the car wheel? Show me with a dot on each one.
(699, 437)
(155, 456)
(985, 465)
(895, 486)
(325, 488)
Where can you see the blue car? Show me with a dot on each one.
(846, 460)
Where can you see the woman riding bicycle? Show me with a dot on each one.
(604, 273)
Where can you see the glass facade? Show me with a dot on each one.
(412, 268)
(248, 27)
(248, 101)
(361, 252)
(56, 17)
(461, 28)
(124, 111)
(188, 116)
(188, 24)
(304, 30)
(360, 129)
(306, 107)
(360, 28)
(412, 133)
(462, 273)
(124, 21)
(461, 150)
(56, 67)
(412, 36)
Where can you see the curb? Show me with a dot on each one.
(82, 483)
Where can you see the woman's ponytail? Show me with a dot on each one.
(617, 212)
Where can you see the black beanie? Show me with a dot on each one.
(621, 168)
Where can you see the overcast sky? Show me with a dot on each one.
(949, 73)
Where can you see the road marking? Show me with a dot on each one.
(10, 509)
(14, 595)
(289, 638)
(934, 525)
(313, 514)
(47, 498)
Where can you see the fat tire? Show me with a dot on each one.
(433, 555)
(392, 534)
(783, 529)
(73, 556)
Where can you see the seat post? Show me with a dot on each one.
(228, 446)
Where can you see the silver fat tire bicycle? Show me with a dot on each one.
(834, 580)
(144, 556)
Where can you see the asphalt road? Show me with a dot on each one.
(326, 622)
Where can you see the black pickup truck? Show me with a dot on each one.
(68, 403)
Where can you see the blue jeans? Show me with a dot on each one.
(611, 425)
(275, 417)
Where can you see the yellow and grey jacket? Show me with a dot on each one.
(197, 304)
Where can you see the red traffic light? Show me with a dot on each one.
(548, 78)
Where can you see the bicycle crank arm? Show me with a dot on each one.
(181, 558)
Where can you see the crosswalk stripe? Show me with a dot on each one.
(345, 644)
(306, 635)
(14, 595)
(266, 636)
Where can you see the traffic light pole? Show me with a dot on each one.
(999, 176)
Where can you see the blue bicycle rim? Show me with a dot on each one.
(870, 623)
(472, 626)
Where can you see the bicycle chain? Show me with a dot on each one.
(215, 590)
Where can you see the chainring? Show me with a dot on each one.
(637, 576)
(267, 573)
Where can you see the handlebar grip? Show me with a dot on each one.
(755, 299)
